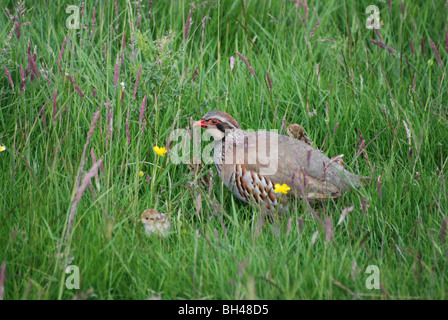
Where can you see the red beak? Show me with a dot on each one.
(200, 123)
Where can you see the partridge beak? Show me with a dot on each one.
(139, 220)
(200, 123)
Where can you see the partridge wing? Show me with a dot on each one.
(293, 162)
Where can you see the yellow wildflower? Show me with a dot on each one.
(2, 148)
(141, 173)
(281, 188)
(430, 62)
(160, 151)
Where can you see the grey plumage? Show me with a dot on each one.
(250, 163)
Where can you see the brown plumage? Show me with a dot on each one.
(296, 131)
(245, 164)
(155, 222)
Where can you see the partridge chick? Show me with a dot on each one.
(155, 222)
(296, 131)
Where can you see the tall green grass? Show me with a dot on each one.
(397, 102)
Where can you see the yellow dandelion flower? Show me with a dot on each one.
(2, 148)
(160, 151)
(141, 173)
(281, 188)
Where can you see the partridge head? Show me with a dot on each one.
(253, 165)
(296, 131)
(217, 123)
(155, 222)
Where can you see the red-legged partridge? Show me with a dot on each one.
(155, 222)
(244, 162)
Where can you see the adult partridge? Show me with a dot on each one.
(250, 164)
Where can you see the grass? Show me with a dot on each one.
(397, 101)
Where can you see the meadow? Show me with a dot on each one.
(82, 109)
